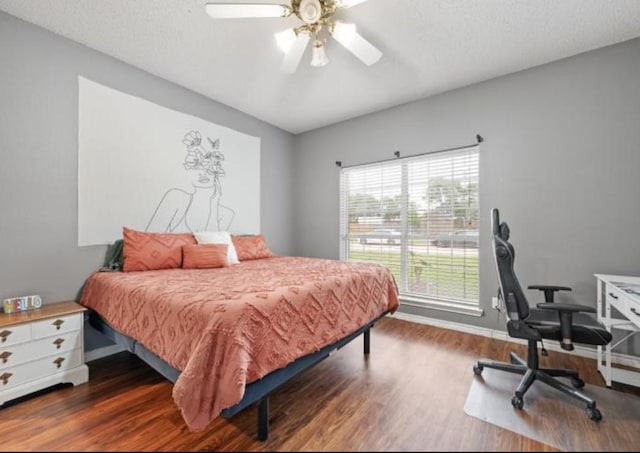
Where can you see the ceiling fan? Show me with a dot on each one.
(317, 18)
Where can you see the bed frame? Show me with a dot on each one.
(256, 392)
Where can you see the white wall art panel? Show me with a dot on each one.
(150, 168)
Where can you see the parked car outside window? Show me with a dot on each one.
(460, 238)
(381, 236)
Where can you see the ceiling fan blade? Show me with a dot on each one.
(348, 3)
(285, 39)
(246, 10)
(295, 53)
(347, 35)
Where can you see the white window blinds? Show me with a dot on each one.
(418, 216)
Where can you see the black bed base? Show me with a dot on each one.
(256, 392)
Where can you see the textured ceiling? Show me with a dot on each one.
(429, 46)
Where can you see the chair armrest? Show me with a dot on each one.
(565, 313)
(572, 308)
(549, 290)
(551, 287)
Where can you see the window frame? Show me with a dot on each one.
(460, 306)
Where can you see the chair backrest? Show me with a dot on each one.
(510, 293)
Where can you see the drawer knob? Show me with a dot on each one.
(613, 295)
(5, 356)
(58, 323)
(634, 311)
(58, 342)
(59, 361)
(4, 334)
(5, 378)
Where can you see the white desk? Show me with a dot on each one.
(622, 293)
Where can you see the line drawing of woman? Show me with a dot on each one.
(199, 209)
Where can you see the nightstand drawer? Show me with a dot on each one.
(56, 326)
(21, 353)
(15, 334)
(21, 374)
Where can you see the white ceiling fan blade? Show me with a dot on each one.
(347, 35)
(246, 10)
(285, 39)
(295, 53)
(349, 3)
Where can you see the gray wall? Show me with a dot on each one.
(39, 155)
(561, 161)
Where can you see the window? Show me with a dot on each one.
(419, 217)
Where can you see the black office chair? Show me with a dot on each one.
(565, 323)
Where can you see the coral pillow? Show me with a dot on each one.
(150, 251)
(204, 256)
(251, 247)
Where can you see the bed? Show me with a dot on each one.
(228, 337)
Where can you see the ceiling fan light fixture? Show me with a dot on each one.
(285, 39)
(318, 54)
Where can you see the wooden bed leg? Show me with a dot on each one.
(367, 340)
(263, 418)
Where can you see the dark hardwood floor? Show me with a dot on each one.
(408, 395)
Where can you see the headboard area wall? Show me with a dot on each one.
(155, 169)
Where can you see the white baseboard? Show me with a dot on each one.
(582, 351)
(99, 353)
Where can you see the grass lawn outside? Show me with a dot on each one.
(432, 274)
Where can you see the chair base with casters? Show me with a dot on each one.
(532, 372)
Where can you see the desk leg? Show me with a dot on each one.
(599, 316)
(604, 315)
(599, 358)
(607, 348)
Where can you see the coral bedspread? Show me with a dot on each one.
(226, 327)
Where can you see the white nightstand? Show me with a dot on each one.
(40, 348)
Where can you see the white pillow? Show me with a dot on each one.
(218, 237)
